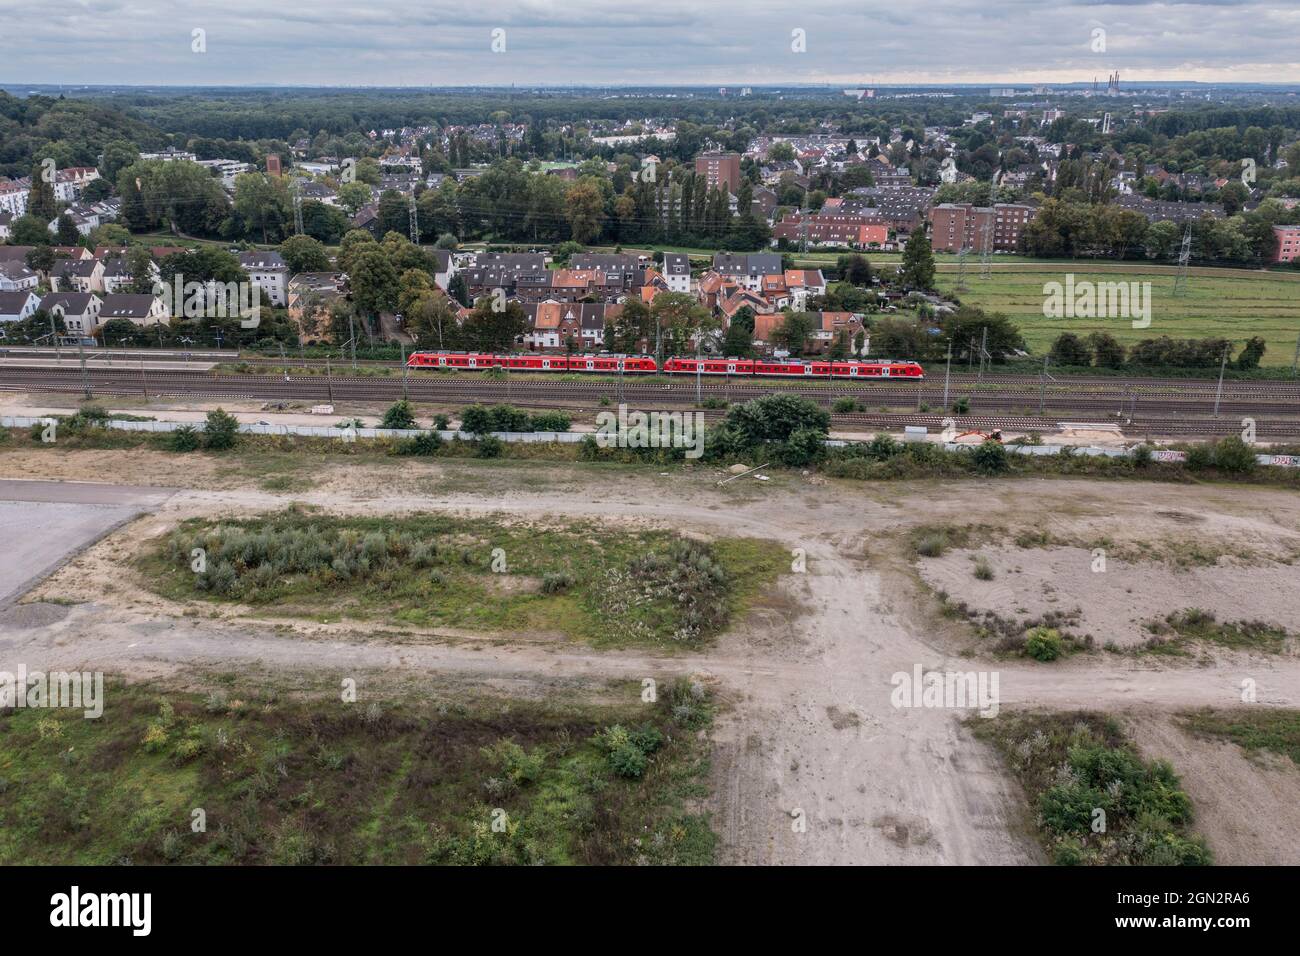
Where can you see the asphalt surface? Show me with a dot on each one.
(45, 523)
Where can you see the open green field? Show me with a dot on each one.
(312, 779)
(603, 584)
(1232, 303)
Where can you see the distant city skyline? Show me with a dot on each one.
(673, 42)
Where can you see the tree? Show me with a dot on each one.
(488, 330)
(794, 333)
(140, 264)
(263, 202)
(29, 230)
(66, 231)
(40, 198)
(373, 279)
(584, 207)
(304, 254)
(220, 430)
(352, 196)
(1106, 349)
(776, 417)
(918, 262)
(398, 415)
(1069, 349)
(1251, 353)
(855, 269)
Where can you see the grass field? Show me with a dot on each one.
(608, 586)
(314, 780)
(1276, 730)
(1232, 303)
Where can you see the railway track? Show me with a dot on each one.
(898, 402)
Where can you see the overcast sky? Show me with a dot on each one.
(449, 42)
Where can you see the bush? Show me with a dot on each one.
(425, 443)
(1142, 455)
(442, 421)
(883, 447)
(588, 448)
(555, 582)
(932, 545)
(990, 457)
(1234, 456)
(220, 430)
(803, 447)
(983, 570)
(961, 406)
(1199, 457)
(845, 405)
(776, 417)
(551, 422)
(476, 420)
(1043, 644)
(399, 415)
(489, 446)
(185, 438)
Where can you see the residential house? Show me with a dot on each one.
(18, 306)
(676, 271)
(1288, 243)
(748, 270)
(77, 275)
(957, 226)
(268, 272)
(16, 277)
(139, 309)
(78, 310)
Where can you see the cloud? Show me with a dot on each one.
(449, 42)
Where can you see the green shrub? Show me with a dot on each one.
(1199, 457)
(185, 438)
(983, 570)
(1142, 455)
(961, 406)
(399, 416)
(803, 447)
(1234, 456)
(220, 430)
(990, 457)
(442, 421)
(845, 405)
(551, 422)
(588, 448)
(932, 544)
(489, 446)
(882, 447)
(1043, 644)
(556, 581)
(425, 443)
(476, 420)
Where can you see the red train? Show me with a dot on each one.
(641, 364)
(795, 368)
(532, 362)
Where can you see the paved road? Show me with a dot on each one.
(47, 522)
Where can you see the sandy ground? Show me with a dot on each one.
(812, 763)
(1117, 601)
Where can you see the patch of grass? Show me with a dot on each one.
(1194, 624)
(582, 580)
(315, 781)
(1273, 729)
(1083, 776)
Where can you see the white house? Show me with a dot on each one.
(79, 310)
(13, 198)
(268, 272)
(17, 306)
(77, 275)
(677, 271)
(16, 277)
(140, 309)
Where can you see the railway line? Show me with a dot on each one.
(886, 404)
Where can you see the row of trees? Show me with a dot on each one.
(1065, 229)
(1101, 350)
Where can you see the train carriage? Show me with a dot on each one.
(642, 364)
